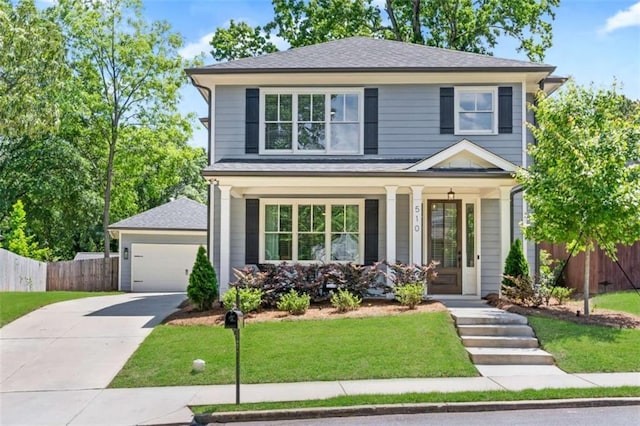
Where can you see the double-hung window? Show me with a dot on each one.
(476, 110)
(312, 231)
(311, 121)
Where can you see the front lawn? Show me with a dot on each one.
(624, 301)
(580, 348)
(409, 345)
(13, 305)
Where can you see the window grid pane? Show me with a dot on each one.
(278, 233)
(476, 111)
(345, 238)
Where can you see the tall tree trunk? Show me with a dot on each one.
(107, 200)
(587, 267)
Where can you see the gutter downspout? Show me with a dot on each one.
(209, 231)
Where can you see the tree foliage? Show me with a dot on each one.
(466, 25)
(203, 283)
(583, 186)
(32, 71)
(16, 239)
(128, 74)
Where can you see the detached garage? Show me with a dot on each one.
(158, 247)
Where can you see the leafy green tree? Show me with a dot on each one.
(32, 71)
(203, 283)
(16, 239)
(127, 74)
(583, 186)
(516, 264)
(466, 25)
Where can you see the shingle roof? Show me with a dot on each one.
(369, 54)
(181, 214)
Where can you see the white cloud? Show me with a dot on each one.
(622, 19)
(191, 50)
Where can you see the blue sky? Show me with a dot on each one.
(593, 40)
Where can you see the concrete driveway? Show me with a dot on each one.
(79, 344)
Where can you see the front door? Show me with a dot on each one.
(444, 244)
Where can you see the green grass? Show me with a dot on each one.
(13, 305)
(412, 345)
(624, 301)
(434, 397)
(580, 348)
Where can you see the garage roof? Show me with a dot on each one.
(182, 214)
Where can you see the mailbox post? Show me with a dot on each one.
(234, 319)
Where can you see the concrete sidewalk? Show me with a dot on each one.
(168, 405)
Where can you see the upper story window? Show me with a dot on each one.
(476, 110)
(314, 121)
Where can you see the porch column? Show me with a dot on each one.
(416, 225)
(391, 224)
(505, 225)
(211, 223)
(225, 238)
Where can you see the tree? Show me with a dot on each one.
(32, 71)
(16, 239)
(466, 25)
(516, 264)
(583, 186)
(128, 73)
(203, 283)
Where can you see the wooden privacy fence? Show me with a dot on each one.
(19, 273)
(602, 269)
(83, 275)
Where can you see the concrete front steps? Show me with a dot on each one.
(499, 341)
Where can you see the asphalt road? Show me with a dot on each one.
(603, 416)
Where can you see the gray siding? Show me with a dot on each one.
(408, 124)
(517, 218)
(128, 239)
(402, 228)
(490, 246)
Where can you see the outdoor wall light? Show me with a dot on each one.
(126, 253)
(451, 195)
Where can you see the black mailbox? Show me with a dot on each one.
(234, 319)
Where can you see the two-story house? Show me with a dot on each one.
(363, 149)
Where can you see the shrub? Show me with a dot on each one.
(410, 295)
(281, 279)
(250, 299)
(401, 274)
(522, 291)
(344, 301)
(561, 294)
(294, 303)
(515, 265)
(203, 283)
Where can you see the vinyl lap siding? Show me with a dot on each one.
(230, 122)
(402, 229)
(409, 124)
(490, 246)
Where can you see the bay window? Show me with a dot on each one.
(312, 231)
(311, 121)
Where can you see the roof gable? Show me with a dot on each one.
(180, 214)
(369, 54)
(464, 155)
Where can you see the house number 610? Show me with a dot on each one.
(416, 222)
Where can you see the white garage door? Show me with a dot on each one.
(161, 267)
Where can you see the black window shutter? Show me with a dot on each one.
(371, 121)
(370, 231)
(505, 110)
(252, 229)
(252, 121)
(446, 110)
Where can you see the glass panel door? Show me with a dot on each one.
(445, 245)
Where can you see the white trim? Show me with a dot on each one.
(391, 224)
(523, 117)
(457, 90)
(212, 124)
(416, 222)
(225, 238)
(160, 232)
(326, 91)
(505, 225)
(211, 223)
(464, 145)
(121, 255)
(295, 202)
(479, 247)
